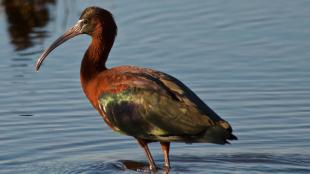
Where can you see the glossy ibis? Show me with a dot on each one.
(147, 104)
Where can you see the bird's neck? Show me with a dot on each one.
(93, 63)
(95, 58)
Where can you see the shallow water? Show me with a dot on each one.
(248, 60)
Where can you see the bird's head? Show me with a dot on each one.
(94, 21)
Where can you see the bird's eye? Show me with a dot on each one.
(85, 21)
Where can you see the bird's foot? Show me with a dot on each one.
(153, 168)
(167, 165)
(166, 169)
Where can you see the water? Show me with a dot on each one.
(248, 60)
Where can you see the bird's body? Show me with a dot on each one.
(152, 105)
(147, 104)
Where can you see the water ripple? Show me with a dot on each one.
(249, 61)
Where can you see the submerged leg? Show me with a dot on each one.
(165, 146)
(147, 152)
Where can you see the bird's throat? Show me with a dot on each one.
(94, 60)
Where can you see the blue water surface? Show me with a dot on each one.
(248, 60)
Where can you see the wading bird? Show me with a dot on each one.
(149, 105)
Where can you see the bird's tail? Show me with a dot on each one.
(220, 133)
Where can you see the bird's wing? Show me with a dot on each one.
(153, 103)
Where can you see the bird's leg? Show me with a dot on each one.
(165, 146)
(147, 152)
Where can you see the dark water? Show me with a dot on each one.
(249, 60)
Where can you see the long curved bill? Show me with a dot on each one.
(72, 32)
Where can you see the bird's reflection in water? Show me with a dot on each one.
(25, 18)
(141, 167)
